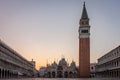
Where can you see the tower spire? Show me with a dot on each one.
(84, 4)
(84, 12)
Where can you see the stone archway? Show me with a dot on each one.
(49, 74)
(3, 73)
(75, 75)
(71, 74)
(8, 73)
(53, 74)
(66, 74)
(59, 74)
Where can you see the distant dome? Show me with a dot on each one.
(62, 62)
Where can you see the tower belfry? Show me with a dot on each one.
(84, 44)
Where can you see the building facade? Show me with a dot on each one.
(109, 64)
(42, 72)
(93, 70)
(60, 70)
(35, 72)
(84, 45)
(13, 65)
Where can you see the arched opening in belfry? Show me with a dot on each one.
(66, 74)
(53, 74)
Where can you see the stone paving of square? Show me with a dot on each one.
(64, 79)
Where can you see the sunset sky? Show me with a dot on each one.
(46, 30)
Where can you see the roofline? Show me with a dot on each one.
(109, 52)
(12, 50)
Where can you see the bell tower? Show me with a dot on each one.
(84, 45)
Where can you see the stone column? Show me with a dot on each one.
(119, 73)
(110, 74)
(3, 76)
(55, 74)
(6, 74)
(63, 74)
(9, 74)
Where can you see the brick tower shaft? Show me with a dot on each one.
(84, 57)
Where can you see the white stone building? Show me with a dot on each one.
(13, 65)
(109, 64)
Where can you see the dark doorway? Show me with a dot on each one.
(59, 71)
(49, 74)
(70, 74)
(2, 73)
(66, 74)
(59, 74)
(53, 74)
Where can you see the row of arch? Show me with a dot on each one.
(60, 74)
(8, 74)
(109, 73)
